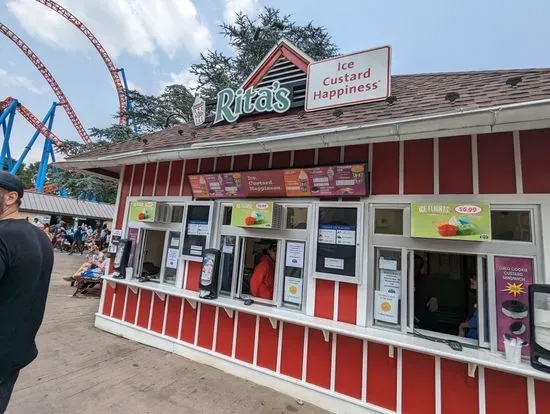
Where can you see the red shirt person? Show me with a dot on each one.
(263, 276)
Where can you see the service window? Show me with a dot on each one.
(388, 221)
(198, 225)
(339, 234)
(151, 254)
(511, 225)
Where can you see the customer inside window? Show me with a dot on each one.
(445, 293)
(263, 275)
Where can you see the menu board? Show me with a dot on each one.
(332, 181)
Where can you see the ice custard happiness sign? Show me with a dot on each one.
(350, 79)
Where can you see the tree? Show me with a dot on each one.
(251, 40)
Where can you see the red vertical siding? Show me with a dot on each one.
(157, 318)
(385, 168)
(188, 322)
(137, 181)
(349, 366)
(319, 355)
(190, 168)
(174, 181)
(206, 326)
(260, 161)
(223, 164)
(292, 350)
(356, 153)
(418, 383)
(535, 168)
(149, 179)
(324, 298)
(173, 316)
(347, 302)
(304, 158)
(246, 331)
(419, 166)
(505, 393)
(207, 165)
(108, 301)
(459, 392)
(193, 276)
(495, 154)
(240, 162)
(162, 178)
(381, 389)
(329, 156)
(281, 159)
(268, 339)
(542, 395)
(120, 297)
(224, 335)
(455, 165)
(124, 192)
(131, 307)
(144, 308)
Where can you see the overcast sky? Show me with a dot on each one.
(156, 41)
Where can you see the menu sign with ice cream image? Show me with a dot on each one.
(255, 214)
(451, 221)
(143, 211)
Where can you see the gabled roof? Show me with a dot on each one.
(413, 96)
(283, 49)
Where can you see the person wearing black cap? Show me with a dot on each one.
(26, 261)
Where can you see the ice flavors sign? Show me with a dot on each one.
(143, 211)
(513, 275)
(451, 221)
(252, 214)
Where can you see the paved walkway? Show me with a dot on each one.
(83, 370)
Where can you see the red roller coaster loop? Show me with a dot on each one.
(34, 121)
(50, 79)
(122, 99)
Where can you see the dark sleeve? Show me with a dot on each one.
(3, 258)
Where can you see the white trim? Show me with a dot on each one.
(235, 330)
(399, 396)
(401, 167)
(531, 397)
(215, 166)
(437, 375)
(436, 164)
(183, 173)
(364, 371)
(517, 162)
(295, 388)
(475, 165)
(481, 390)
(333, 362)
(304, 354)
(102, 297)
(215, 334)
(151, 307)
(197, 324)
(342, 154)
(256, 340)
(232, 162)
(336, 300)
(113, 302)
(279, 348)
(125, 303)
(137, 307)
(168, 178)
(155, 180)
(249, 161)
(143, 178)
(165, 317)
(180, 323)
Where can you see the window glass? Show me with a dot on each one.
(388, 287)
(227, 211)
(172, 258)
(259, 267)
(296, 218)
(177, 214)
(227, 248)
(388, 221)
(196, 231)
(294, 274)
(151, 254)
(512, 225)
(336, 241)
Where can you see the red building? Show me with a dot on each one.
(434, 191)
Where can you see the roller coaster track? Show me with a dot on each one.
(121, 92)
(50, 79)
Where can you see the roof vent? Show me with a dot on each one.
(256, 125)
(301, 114)
(337, 113)
(514, 80)
(180, 131)
(145, 141)
(233, 124)
(390, 100)
(452, 96)
(193, 134)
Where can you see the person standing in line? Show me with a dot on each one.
(26, 261)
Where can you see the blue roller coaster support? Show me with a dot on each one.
(49, 116)
(46, 153)
(8, 115)
(128, 100)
